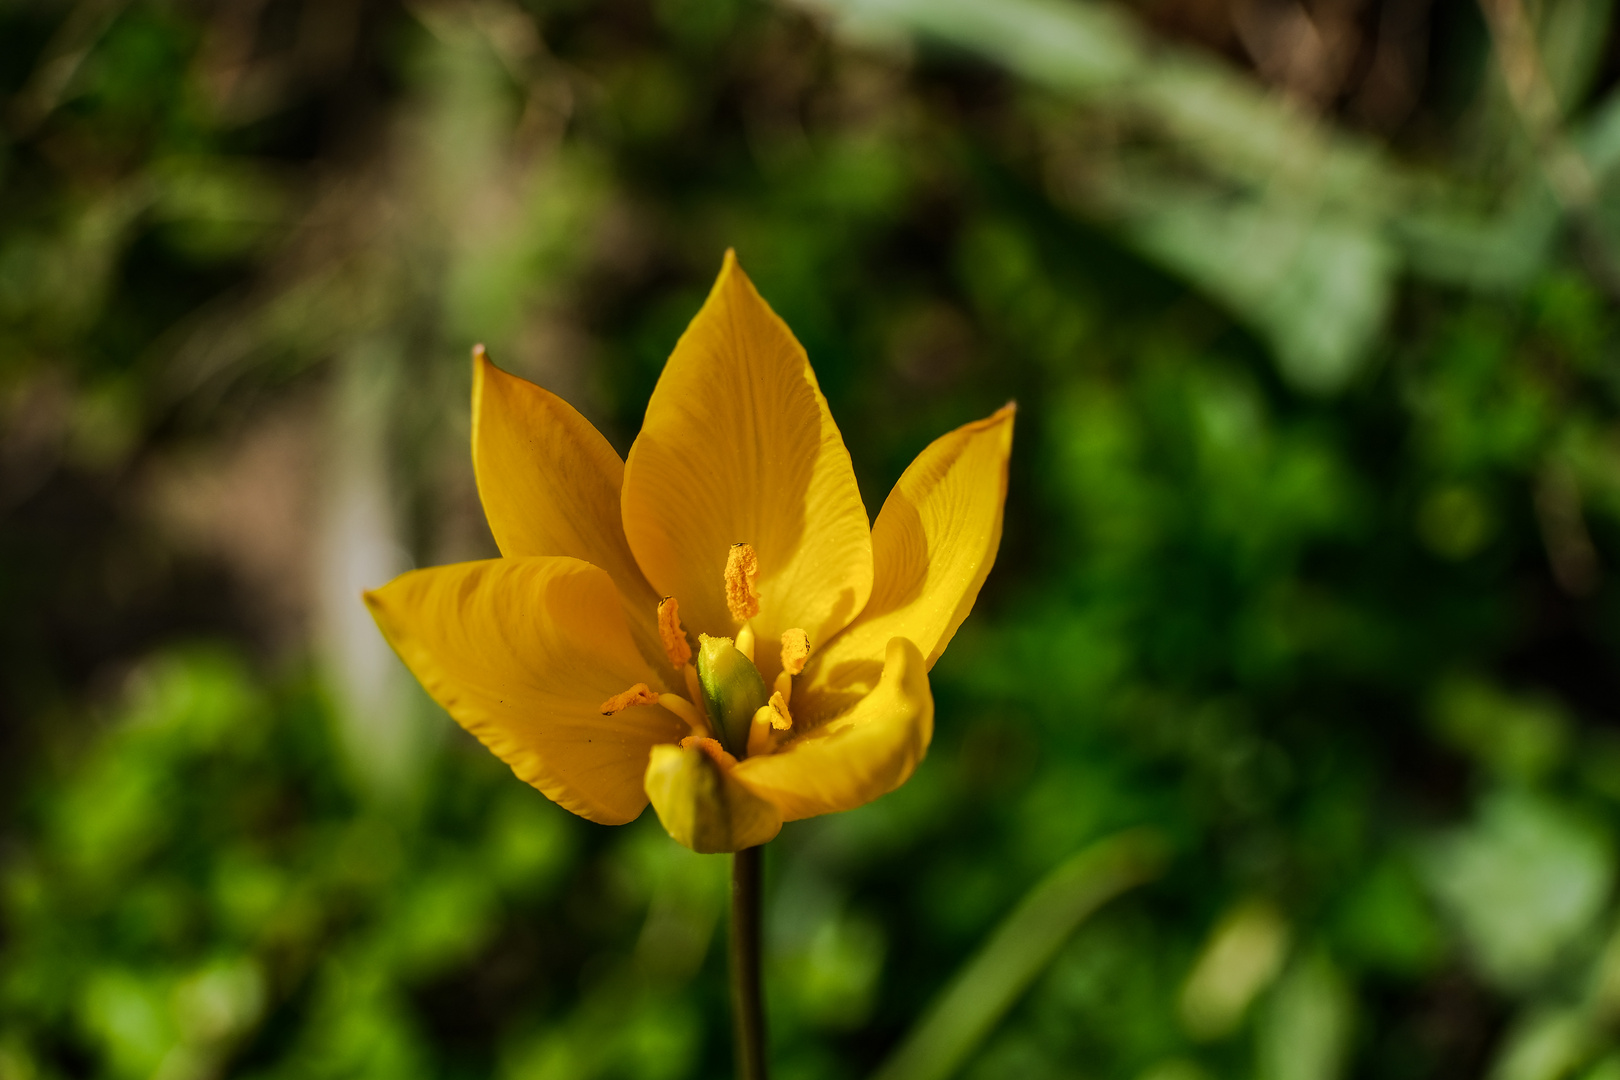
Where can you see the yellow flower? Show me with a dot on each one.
(736, 519)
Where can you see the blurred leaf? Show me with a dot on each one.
(1244, 953)
(220, 1001)
(1518, 737)
(1315, 283)
(967, 1009)
(1100, 51)
(214, 208)
(1175, 1069)
(1607, 1069)
(1546, 1046)
(1387, 923)
(130, 1020)
(1305, 1034)
(1454, 521)
(1523, 882)
(1603, 1001)
(836, 977)
(1312, 272)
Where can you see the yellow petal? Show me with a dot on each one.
(933, 545)
(701, 802)
(523, 652)
(870, 750)
(738, 447)
(550, 484)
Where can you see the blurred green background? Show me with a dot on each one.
(1309, 308)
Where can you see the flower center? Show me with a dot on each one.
(733, 690)
(726, 695)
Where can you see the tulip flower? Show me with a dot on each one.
(711, 624)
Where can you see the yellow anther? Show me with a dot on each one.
(766, 721)
(669, 629)
(742, 567)
(783, 719)
(795, 650)
(712, 747)
(638, 694)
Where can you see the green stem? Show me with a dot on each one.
(747, 1000)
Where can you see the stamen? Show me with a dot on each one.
(766, 721)
(742, 567)
(783, 719)
(711, 747)
(686, 711)
(638, 694)
(759, 731)
(795, 650)
(745, 641)
(669, 630)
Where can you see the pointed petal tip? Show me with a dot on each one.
(934, 543)
(738, 444)
(376, 600)
(731, 275)
(486, 374)
(482, 365)
(1005, 416)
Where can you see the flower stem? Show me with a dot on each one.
(747, 1000)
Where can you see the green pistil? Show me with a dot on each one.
(732, 690)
